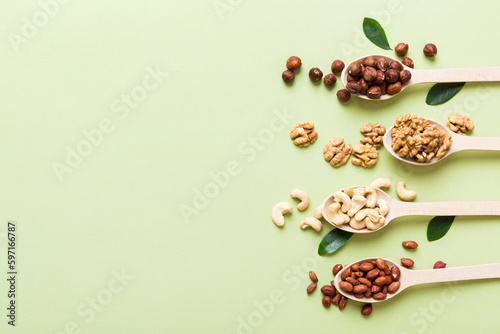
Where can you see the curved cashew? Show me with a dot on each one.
(335, 215)
(381, 183)
(371, 197)
(349, 192)
(357, 225)
(359, 191)
(383, 207)
(343, 198)
(373, 226)
(302, 195)
(318, 212)
(278, 211)
(403, 193)
(358, 202)
(313, 222)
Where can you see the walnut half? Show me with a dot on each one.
(303, 135)
(366, 155)
(336, 152)
(374, 134)
(460, 124)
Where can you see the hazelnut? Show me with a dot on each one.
(293, 63)
(401, 49)
(404, 76)
(354, 68)
(430, 50)
(351, 78)
(394, 88)
(383, 88)
(315, 74)
(343, 95)
(337, 66)
(380, 79)
(407, 61)
(288, 76)
(364, 86)
(396, 65)
(391, 76)
(370, 61)
(353, 87)
(370, 73)
(382, 64)
(330, 80)
(374, 92)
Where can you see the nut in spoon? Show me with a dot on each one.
(460, 143)
(478, 74)
(401, 209)
(410, 278)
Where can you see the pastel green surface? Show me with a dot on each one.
(103, 245)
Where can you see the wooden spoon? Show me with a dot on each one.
(433, 76)
(410, 278)
(460, 143)
(401, 209)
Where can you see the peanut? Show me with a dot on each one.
(380, 263)
(367, 309)
(439, 265)
(395, 273)
(346, 273)
(326, 301)
(336, 269)
(342, 302)
(393, 287)
(313, 277)
(352, 280)
(328, 290)
(381, 280)
(346, 286)
(311, 288)
(372, 274)
(361, 288)
(355, 267)
(410, 244)
(408, 263)
(367, 266)
(379, 296)
(365, 281)
(336, 299)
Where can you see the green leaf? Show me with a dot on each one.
(442, 92)
(438, 227)
(375, 33)
(335, 239)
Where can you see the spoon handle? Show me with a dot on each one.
(456, 75)
(463, 143)
(451, 274)
(446, 209)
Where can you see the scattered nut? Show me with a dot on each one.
(430, 50)
(336, 269)
(302, 195)
(313, 277)
(326, 301)
(318, 212)
(410, 244)
(381, 183)
(367, 309)
(311, 288)
(408, 263)
(293, 63)
(336, 152)
(337, 66)
(288, 76)
(342, 302)
(439, 265)
(407, 61)
(366, 155)
(330, 80)
(328, 290)
(460, 124)
(374, 134)
(303, 135)
(403, 193)
(315, 74)
(414, 137)
(336, 299)
(343, 95)
(278, 211)
(401, 49)
(312, 222)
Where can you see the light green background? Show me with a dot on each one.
(227, 268)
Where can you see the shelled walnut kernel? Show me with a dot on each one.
(336, 152)
(303, 135)
(366, 155)
(460, 124)
(374, 134)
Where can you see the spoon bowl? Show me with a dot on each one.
(410, 278)
(418, 76)
(459, 143)
(402, 209)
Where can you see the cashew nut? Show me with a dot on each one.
(302, 195)
(374, 226)
(371, 198)
(358, 202)
(342, 197)
(312, 222)
(403, 193)
(359, 191)
(372, 218)
(349, 192)
(381, 183)
(383, 207)
(357, 225)
(278, 211)
(318, 212)
(335, 215)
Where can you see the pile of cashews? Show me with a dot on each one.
(359, 207)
